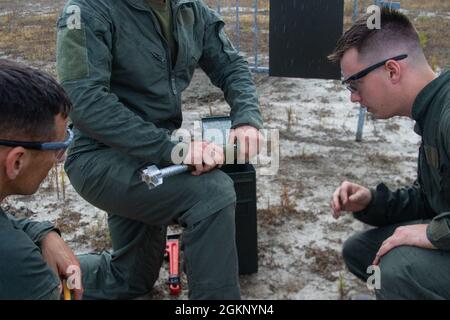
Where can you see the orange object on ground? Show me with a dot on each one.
(173, 250)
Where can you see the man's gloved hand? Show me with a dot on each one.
(63, 261)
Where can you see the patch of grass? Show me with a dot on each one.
(351, 176)
(291, 117)
(326, 261)
(324, 100)
(392, 126)
(323, 112)
(69, 222)
(305, 157)
(97, 235)
(382, 159)
(338, 227)
(342, 287)
(434, 35)
(31, 36)
(277, 215)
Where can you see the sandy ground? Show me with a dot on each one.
(299, 242)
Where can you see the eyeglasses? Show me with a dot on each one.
(366, 71)
(60, 146)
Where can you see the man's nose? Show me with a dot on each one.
(354, 97)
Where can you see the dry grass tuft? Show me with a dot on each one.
(97, 235)
(30, 36)
(326, 261)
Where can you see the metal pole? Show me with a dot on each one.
(362, 117)
(238, 28)
(355, 10)
(256, 31)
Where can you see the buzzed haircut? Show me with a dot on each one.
(396, 34)
(29, 101)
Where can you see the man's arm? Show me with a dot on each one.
(84, 62)
(34, 229)
(381, 206)
(438, 231)
(390, 207)
(54, 250)
(229, 71)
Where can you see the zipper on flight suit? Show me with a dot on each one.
(172, 80)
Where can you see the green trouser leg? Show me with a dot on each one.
(203, 205)
(132, 268)
(208, 242)
(54, 295)
(406, 272)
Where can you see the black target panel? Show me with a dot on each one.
(302, 34)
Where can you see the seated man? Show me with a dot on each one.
(33, 137)
(124, 65)
(386, 71)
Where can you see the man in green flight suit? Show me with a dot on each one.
(34, 109)
(124, 65)
(386, 71)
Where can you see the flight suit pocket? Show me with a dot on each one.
(227, 46)
(72, 56)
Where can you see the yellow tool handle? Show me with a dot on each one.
(67, 293)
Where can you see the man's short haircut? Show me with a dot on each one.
(29, 101)
(396, 34)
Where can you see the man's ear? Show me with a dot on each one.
(394, 69)
(15, 162)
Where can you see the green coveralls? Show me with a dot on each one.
(117, 71)
(410, 272)
(24, 274)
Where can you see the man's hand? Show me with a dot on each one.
(413, 235)
(248, 140)
(350, 197)
(204, 156)
(63, 261)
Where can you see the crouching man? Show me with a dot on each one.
(386, 71)
(33, 137)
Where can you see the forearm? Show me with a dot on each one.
(389, 207)
(37, 231)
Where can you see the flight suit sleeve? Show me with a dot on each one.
(438, 231)
(84, 63)
(390, 207)
(229, 72)
(34, 229)
(24, 274)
